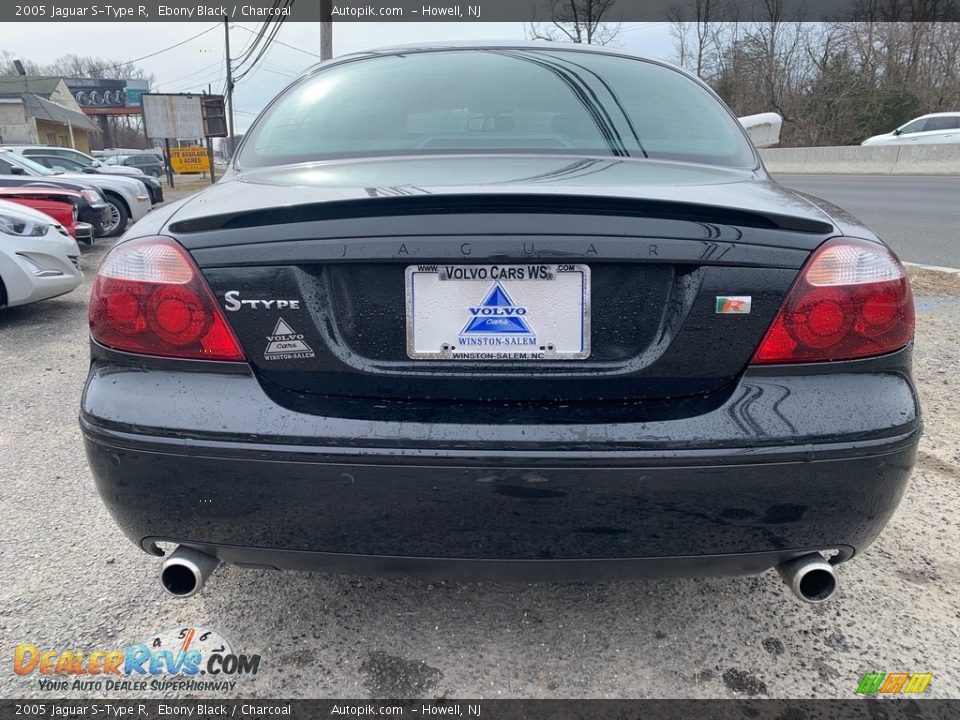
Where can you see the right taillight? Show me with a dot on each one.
(851, 300)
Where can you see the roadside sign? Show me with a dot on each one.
(192, 159)
(134, 95)
(171, 116)
(214, 116)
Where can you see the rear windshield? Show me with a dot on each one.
(495, 101)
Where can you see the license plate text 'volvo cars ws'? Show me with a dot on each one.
(498, 312)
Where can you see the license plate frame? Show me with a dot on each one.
(516, 312)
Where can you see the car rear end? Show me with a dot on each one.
(699, 435)
(517, 366)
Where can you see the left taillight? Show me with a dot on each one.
(149, 298)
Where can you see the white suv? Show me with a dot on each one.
(935, 128)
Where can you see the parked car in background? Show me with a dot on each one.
(158, 157)
(932, 129)
(84, 160)
(58, 203)
(106, 152)
(91, 206)
(155, 153)
(38, 258)
(64, 164)
(148, 164)
(127, 197)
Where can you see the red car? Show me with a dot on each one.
(58, 203)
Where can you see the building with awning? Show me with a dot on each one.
(41, 110)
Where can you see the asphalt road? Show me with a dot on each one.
(70, 580)
(918, 216)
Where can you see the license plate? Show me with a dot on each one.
(506, 313)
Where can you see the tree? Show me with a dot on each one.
(579, 21)
(698, 40)
(834, 83)
(77, 66)
(125, 131)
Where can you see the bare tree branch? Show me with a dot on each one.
(578, 21)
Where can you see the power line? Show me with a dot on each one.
(158, 52)
(286, 45)
(249, 43)
(263, 39)
(202, 70)
(200, 82)
(210, 74)
(640, 26)
(278, 72)
(252, 45)
(266, 44)
(260, 42)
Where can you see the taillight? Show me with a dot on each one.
(149, 298)
(851, 300)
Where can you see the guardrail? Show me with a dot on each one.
(865, 160)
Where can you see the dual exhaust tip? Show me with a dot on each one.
(185, 571)
(810, 577)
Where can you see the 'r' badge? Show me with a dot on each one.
(733, 304)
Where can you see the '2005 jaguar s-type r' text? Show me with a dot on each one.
(501, 310)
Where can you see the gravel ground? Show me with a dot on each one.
(69, 580)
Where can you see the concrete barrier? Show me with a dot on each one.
(869, 160)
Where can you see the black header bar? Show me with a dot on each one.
(468, 10)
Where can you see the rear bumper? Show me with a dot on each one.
(365, 514)
(485, 569)
(209, 461)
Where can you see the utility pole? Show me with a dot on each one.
(213, 173)
(226, 35)
(326, 29)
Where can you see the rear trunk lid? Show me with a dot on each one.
(687, 267)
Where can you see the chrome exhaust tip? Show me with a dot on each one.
(810, 577)
(185, 571)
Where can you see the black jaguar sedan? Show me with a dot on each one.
(497, 311)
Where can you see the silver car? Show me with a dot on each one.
(78, 157)
(933, 129)
(38, 258)
(128, 198)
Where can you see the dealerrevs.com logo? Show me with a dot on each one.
(177, 659)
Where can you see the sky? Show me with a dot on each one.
(190, 67)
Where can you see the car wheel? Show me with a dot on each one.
(155, 173)
(117, 217)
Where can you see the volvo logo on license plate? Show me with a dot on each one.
(497, 316)
(501, 313)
